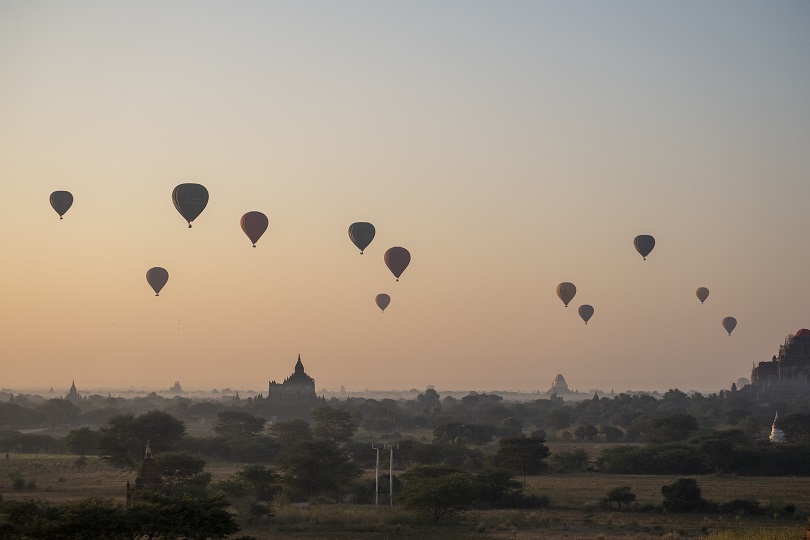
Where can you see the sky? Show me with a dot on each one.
(509, 146)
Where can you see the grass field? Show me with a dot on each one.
(575, 512)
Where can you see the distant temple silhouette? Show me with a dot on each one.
(292, 398)
(298, 387)
(73, 394)
(559, 386)
(788, 372)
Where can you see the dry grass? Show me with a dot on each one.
(575, 497)
(581, 490)
(59, 478)
(758, 534)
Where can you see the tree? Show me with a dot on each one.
(683, 495)
(559, 418)
(332, 424)
(497, 488)
(512, 426)
(430, 402)
(183, 470)
(94, 518)
(82, 441)
(619, 495)
(522, 454)
(571, 461)
(448, 431)
(612, 433)
(123, 441)
(796, 427)
(586, 432)
(672, 428)
(290, 431)
(316, 467)
(160, 515)
(437, 489)
(263, 482)
(238, 424)
(60, 411)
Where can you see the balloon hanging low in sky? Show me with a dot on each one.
(253, 225)
(586, 312)
(644, 244)
(729, 323)
(382, 300)
(157, 278)
(397, 260)
(61, 201)
(361, 234)
(566, 292)
(190, 200)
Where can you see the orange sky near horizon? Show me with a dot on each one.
(509, 147)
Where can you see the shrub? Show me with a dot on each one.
(743, 507)
(683, 495)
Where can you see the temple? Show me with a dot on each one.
(73, 394)
(148, 479)
(559, 386)
(298, 387)
(788, 372)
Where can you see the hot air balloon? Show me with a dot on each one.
(586, 312)
(397, 260)
(702, 294)
(254, 224)
(566, 292)
(729, 323)
(382, 301)
(361, 234)
(157, 278)
(61, 201)
(190, 200)
(644, 244)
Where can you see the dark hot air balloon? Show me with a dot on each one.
(644, 244)
(586, 312)
(157, 278)
(254, 224)
(397, 260)
(702, 294)
(382, 301)
(729, 323)
(361, 234)
(61, 201)
(566, 292)
(190, 200)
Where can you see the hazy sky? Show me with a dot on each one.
(509, 146)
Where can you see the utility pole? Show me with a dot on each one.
(391, 475)
(390, 448)
(376, 476)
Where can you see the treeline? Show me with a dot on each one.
(676, 434)
(620, 417)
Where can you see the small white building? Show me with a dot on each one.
(777, 436)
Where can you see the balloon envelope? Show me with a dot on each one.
(382, 301)
(644, 244)
(157, 278)
(61, 201)
(566, 292)
(190, 200)
(702, 294)
(586, 312)
(729, 323)
(254, 224)
(361, 234)
(397, 260)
